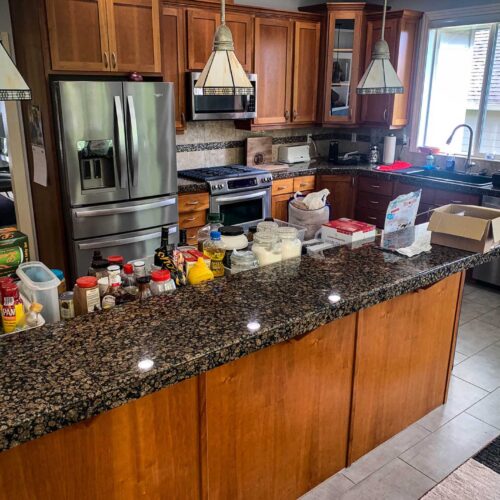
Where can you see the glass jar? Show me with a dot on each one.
(266, 248)
(291, 246)
(161, 282)
(243, 261)
(144, 288)
(267, 226)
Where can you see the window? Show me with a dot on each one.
(462, 85)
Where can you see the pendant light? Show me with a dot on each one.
(223, 74)
(380, 77)
(12, 84)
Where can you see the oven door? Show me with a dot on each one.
(238, 208)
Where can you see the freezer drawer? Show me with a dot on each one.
(133, 245)
(115, 218)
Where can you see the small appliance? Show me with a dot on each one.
(333, 151)
(294, 154)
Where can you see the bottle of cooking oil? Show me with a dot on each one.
(215, 251)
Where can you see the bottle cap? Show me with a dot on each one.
(86, 282)
(215, 235)
(115, 259)
(59, 274)
(128, 269)
(114, 268)
(160, 275)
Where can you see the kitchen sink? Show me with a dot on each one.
(471, 179)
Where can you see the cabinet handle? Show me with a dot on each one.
(191, 237)
(294, 114)
(183, 119)
(373, 202)
(106, 60)
(287, 115)
(374, 186)
(191, 219)
(113, 59)
(280, 188)
(385, 114)
(303, 184)
(372, 218)
(457, 201)
(192, 203)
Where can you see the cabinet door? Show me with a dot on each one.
(134, 35)
(344, 52)
(377, 109)
(78, 35)
(201, 27)
(173, 63)
(342, 194)
(276, 421)
(273, 65)
(279, 206)
(403, 353)
(305, 82)
(241, 26)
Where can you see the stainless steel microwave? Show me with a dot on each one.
(222, 107)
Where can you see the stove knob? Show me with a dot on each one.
(220, 186)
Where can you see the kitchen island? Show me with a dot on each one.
(257, 385)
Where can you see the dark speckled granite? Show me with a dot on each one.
(62, 374)
(189, 186)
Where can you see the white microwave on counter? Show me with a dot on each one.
(221, 107)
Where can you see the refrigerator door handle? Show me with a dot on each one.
(100, 212)
(118, 242)
(134, 140)
(122, 155)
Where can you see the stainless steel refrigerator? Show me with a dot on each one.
(118, 160)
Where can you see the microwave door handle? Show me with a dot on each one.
(118, 241)
(134, 139)
(100, 212)
(120, 140)
(251, 196)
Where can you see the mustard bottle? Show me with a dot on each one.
(200, 272)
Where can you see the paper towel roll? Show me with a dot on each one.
(389, 149)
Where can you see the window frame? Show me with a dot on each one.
(485, 14)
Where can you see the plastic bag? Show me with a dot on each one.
(314, 201)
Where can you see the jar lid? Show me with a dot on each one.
(86, 282)
(287, 232)
(265, 237)
(160, 275)
(139, 263)
(115, 259)
(231, 230)
(114, 268)
(128, 269)
(252, 229)
(267, 226)
(66, 296)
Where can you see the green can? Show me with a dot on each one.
(10, 258)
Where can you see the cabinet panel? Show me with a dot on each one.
(193, 202)
(279, 206)
(134, 35)
(305, 82)
(373, 201)
(273, 65)
(173, 60)
(403, 351)
(377, 186)
(282, 186)
(78, 35)
(370, 216)
(402, 188)
(442, 197)
(342, 194)
(201, 27)
(241, 26)
(276, 420)
(304, 183)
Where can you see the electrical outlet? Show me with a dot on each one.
(354, 137)
(404, 140)
(309, 138)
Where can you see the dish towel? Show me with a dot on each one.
(422, 244)
(397, 165)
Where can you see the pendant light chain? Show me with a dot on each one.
(223, 12)
(383, 19)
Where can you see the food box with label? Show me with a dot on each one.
(191, 255)
(467, 227)
(347, 231)
(14, 250)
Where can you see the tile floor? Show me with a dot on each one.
(412, 462)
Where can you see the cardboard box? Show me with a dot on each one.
(347, 231)
(14, 250)
(467, 227)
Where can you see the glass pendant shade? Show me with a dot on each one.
(223, 74)
(12, 84)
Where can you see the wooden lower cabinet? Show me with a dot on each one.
(279, 206)
(276, 421)
(403, 354)
(342, 195)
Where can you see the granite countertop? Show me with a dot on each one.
(61, 374)
(324, 167)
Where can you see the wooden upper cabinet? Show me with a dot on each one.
(134, 35)
(173, 59)
(78, 35)
(273, 65)
(305, 71)
(401, 33)
(201, 27)
(241, 26)
(104, 35)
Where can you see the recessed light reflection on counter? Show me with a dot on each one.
(334, 298)
(253, 326)
(145, 364)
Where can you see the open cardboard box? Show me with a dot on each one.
(467, 227)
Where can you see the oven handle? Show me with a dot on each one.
(251, 196)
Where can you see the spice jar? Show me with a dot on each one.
(86, 297)
(66, 305)
(139, 269)
(243, 261)
(144, 288)
(161, 282)
(266, 247)
(291, 246)
(251, 231)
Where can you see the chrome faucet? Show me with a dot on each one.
(468, 163)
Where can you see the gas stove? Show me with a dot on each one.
(230, 178)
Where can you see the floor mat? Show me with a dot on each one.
(490, 456)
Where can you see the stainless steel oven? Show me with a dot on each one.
(222, 107)
(245, 206)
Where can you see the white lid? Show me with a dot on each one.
(37, 276)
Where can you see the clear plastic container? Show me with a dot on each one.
(266, 247)
(291, 246)
(243, 261)
(39, 284)
(161, 282)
